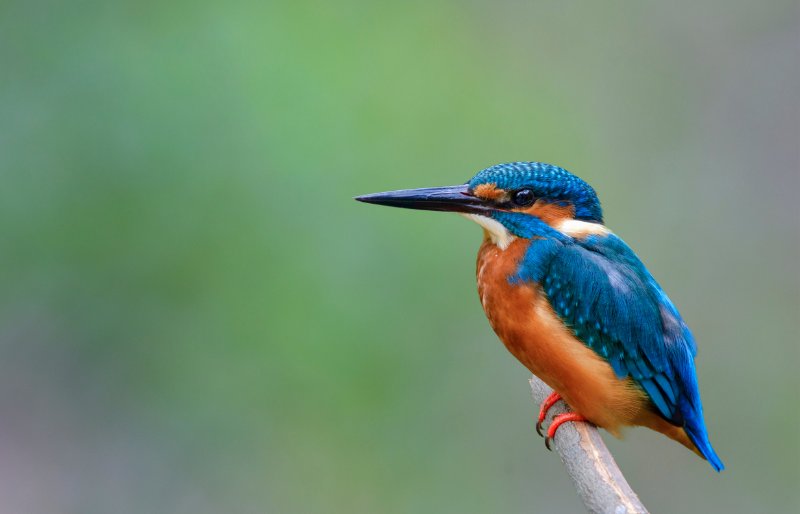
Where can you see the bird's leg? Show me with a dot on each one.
(557, 422)
(546, 404)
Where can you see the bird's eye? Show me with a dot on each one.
(523, 197)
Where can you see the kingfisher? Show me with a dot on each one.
(573, 303)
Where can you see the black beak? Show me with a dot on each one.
(448, 198)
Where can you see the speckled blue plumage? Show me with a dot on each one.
(548, 181)
(604, 293)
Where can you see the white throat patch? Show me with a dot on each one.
(499, 234)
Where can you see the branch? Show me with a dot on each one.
(591, 467)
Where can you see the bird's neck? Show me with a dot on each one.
(493, 230)
(529, 227)
(503, 228)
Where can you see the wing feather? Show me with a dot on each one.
(601, 290)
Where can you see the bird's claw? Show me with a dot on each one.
(548, 402)
(557, 422)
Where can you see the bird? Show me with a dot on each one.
(573, 303)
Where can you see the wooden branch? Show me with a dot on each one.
(591, 467)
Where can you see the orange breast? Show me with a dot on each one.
(521, 316)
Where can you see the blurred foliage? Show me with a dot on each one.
(196, 317)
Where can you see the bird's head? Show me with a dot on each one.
(510, 200)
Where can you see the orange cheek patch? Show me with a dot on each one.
(550, 213)
(489, 192)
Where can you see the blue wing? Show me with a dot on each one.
(601, 289)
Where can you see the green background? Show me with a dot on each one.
(195, 317)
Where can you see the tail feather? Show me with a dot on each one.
(699, 437)
(689, 435)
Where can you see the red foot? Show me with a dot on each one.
(546, 404)
(557, 422)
